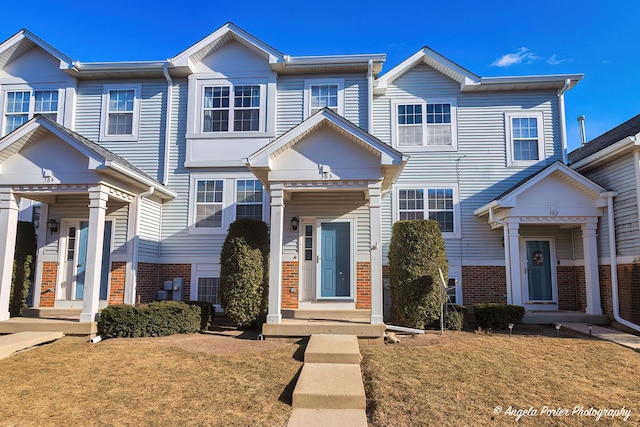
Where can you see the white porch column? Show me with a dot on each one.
(514, 255)
(275, 255)
(375, 225)
(98, 197)
(592, 279)
(9, 229)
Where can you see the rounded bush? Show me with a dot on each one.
(416, 253)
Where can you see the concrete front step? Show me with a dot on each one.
(305, 328)
(327, 418)
(9, 344)
(320, 314)
(68, 327)
(52, 313)
(547, 317)
(329, 386)
(333, 349)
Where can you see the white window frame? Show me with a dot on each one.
(229, 196)
(6, 89)
(453, 102)
(425, 186)
(104, 127)
(199, 110)
(323, 82)
(539, 116)
(204, 271)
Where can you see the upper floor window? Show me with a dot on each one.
(430, 202)
(227, 108)
(21, 105)
(425, 124)
(324, 93)
(120, 113)
(525, 140)
(249, 199)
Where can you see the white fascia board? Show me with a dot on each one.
(169, 194)
(127, 66)
(608, 152)
(484, 210)
(333, 59)
(558, 79)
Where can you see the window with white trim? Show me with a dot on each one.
(425, 124)
(22, 105)
(525, 138)
(429, 202)
(324, 93)
(120, 112)
(249, 199)
(209, 194)
(227, 108)
(209, 290)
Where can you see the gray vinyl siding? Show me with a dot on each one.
(346, 206)
(479, 166)
(146, 153)
(619, 176)
(76, 207)
(290, 100)
(150, 223)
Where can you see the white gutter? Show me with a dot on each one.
(614, 263)
(370, 97)
(167, 128)
(507, 252)
(142, 179)
(563, 120)
(136, 245)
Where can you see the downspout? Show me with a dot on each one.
(370, 97)
(167, 126)
(507, 252)
(614, 263)
(563, 121)
(136, 243)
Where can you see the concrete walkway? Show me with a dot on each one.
(9, 344)
(329, 391)
(624, 339)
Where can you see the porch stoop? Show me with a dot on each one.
(330, 393)
(547, 317)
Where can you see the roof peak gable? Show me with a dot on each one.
(22, 42)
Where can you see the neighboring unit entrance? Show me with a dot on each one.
(539, 275)
(72, 278)
(335, 260)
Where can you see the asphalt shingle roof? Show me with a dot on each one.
(618, 133)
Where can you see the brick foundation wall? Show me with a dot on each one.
(484, 284)
(628, 291)
(568, 289)
(118, 279)
(48, 287)
(363, 285)
(290, 282)
(151, 278)
(604, 271)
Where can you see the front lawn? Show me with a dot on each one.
(462, 378)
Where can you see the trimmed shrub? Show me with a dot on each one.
(22, 267)
(244, 278)
(497, 316)
(455, 318)
(207, 312)
(416, 253)
(152, 320)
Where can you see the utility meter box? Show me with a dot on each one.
(177, 288)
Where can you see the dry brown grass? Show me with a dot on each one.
(173, 381)
(462, 379)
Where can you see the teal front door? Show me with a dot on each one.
(335, 260)
(539, 272)
(83, 236)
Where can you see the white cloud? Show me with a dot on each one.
(553, 60)
(521, 55)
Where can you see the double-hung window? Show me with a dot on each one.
(429, 124)
(21, 105)
(324, 93)
(209, 201)
(438, 203)
(227, 108)
(209, 290)
(525, 138)
(120, 112)
(249, 199)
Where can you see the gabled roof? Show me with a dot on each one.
(23, 41)
(390, 158)
(101, 158)
(470, 82)
(223, 35)
(630, 128)
(507, 198)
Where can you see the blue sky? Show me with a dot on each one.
(493, 38)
